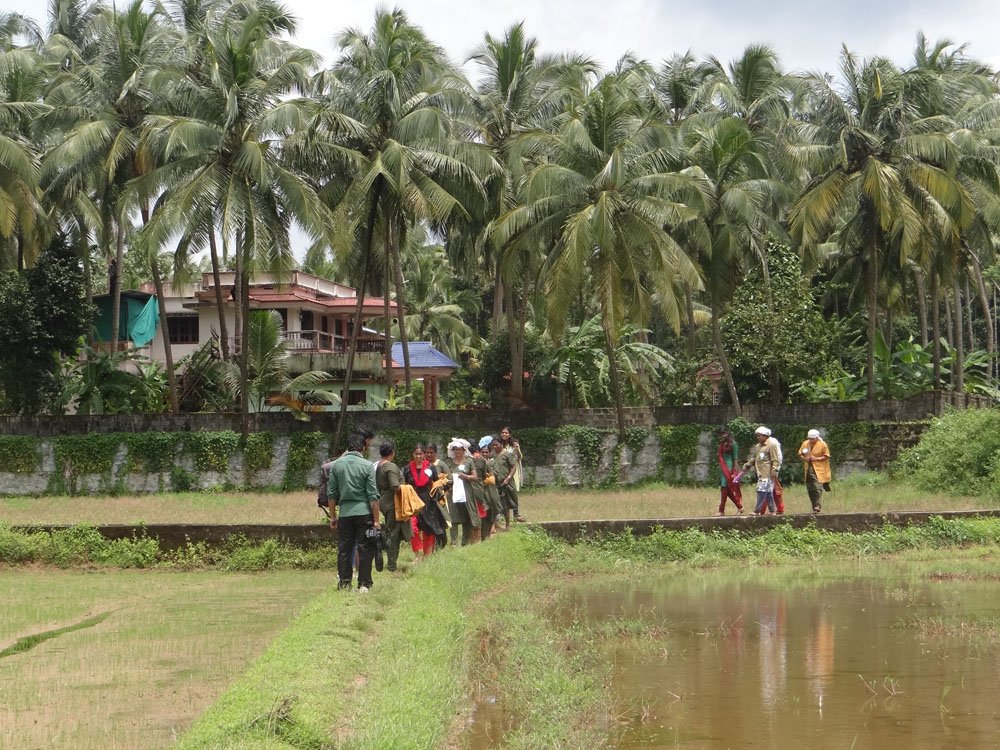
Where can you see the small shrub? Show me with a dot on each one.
(958, 454)
(182, 480)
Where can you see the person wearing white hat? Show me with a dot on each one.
(766, 461)
(461, 500)
(815, 455)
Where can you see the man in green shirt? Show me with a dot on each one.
(354, 502)
(388, 477)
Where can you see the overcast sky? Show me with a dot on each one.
(806, 33)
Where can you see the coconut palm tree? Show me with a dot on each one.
(519, 90)
(604, 204)
(105, 101)
(229, 151)
(885, 188)
(21, 82)
(390, 97)
(437, 311)
(738, 202)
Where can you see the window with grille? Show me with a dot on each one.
(182, 329)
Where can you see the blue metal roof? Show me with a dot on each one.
(422, 355)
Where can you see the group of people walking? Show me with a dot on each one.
(765, 459)
(428, 501)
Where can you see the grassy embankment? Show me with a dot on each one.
(401, 667)
(867, 493)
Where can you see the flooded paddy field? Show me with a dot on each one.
(785, 657)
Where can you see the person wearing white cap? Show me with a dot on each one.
(461, 501)
(815, 455)
(766, 460)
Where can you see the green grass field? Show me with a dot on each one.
(151, 653)
(869, 493)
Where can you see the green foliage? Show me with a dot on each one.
(301, 458)
(787, 543)
(19, 455)
(79, 545)
(84, 545)
(152, 452)
(495, 360)
(587, 442)
(581, 366)
(212, 450)
(742, 431)
(635, 439)
(405, 440)
(43, 315)
(86, 454)
(538, 443)
(463, 390)
(113, 383)
(959, 454)
(182, 480)
(906, 370)
(258, 452)
(679, 445)
(774, 331)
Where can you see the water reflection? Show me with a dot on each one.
(747, 663)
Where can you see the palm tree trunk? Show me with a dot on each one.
(404, 343)
(958, 382)
(168, 355)
(116, 292)
(517, 351)
(498, 295)
(720, 352)
(872, 318)
(949, 323)
(616, 386)
(219, 301)
(984, 301)
(244, 305)
(920, 291)
(88, 281)
(516, 362)
(967, 296)
(237, 293)
(387, 340)
(936, 339)
(352, 348)
(689, 307)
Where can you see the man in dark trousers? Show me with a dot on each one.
(354, 505)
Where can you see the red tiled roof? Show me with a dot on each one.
(333, 303)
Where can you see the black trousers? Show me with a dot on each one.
(350, 534)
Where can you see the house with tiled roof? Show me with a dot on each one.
(317, 316)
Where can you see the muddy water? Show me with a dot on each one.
(803, 661)
(849, 663)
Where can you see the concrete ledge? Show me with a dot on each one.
(173, 536)
(572, 531)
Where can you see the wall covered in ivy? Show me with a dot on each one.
(569, 455)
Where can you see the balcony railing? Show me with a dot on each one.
(319, 341)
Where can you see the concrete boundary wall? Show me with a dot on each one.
(174, 536)
(915, 408)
